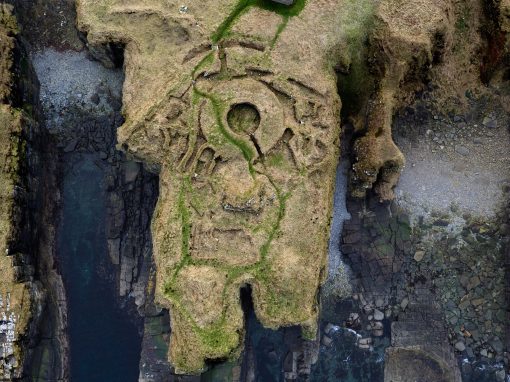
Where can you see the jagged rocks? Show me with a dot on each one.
(380, 260)
(458, 291)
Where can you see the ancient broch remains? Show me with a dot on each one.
(242, 123)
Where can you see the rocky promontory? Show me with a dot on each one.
(167, 188)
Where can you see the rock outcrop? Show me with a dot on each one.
(406, 40)
(242, 122)
(453, 49)
(505, 15)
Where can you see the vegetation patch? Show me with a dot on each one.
(286, 11)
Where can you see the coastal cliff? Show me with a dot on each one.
(217, 142)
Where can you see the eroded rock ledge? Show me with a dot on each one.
(407, 38)
(453, 47)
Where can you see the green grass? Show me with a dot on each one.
(277, 160)
(282, 198)
(184, 216)
(204, 62)
(243, 5)
(218, 109)
(279, 31)
(217, 339)
(308, 333)
(462, 23)
(9, 23)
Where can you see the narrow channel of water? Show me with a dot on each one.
(81, 102)
(104, 343)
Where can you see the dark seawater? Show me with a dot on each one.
(340, 361)
(268, 347)
(105, 343)
(343, 361)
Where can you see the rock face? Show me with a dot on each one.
(242, 122)
(82, 108)
(79, 112)
(406, 40)
(20, 296)
(15, 295)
